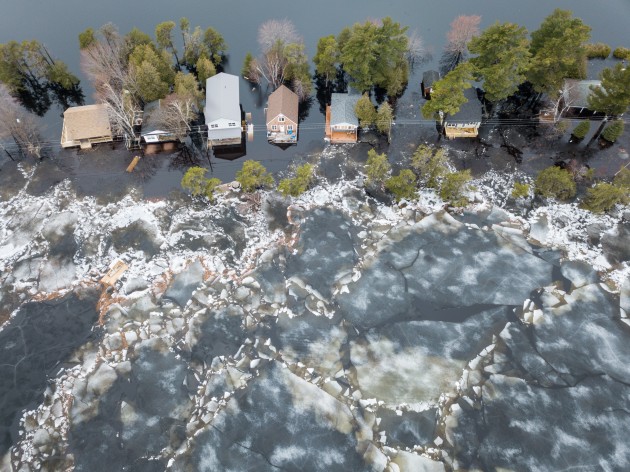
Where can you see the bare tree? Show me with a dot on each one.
(175, 114)
(463, 28)
(19, 125)
(122, 109)
(272, 31)
(416, 50)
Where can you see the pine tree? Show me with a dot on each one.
(384, 117)
(554, 182)
(377, 168)
(447, 94)
(365, 111)
(403, 185)
(253, 175)
(327, 58)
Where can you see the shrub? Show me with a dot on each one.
(384, 117)
(454, 186)
(365, 111)
(554, 182)
(581, 130)
(603, 197)
(430, 164)
(298, 184)
(613, 130)
(622, 179)
(597, 51)
(402, 185)
(520, 190)
(621, 53)
(377, 167)
(253, 175)
(195, 182)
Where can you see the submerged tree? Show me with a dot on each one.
(377, 168)
(558, 52)
(35, 78)
(365, 111)
(253, 175)
(299, 184)
(447, 95)
(463, 29)
(327, 58)
(554, 182)
(197, 184)
(430, 164)
(454, 187)
(384, 117)
(502, 59)
(403, 185)
(19, 126)
(282, 59)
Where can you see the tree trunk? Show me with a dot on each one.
(598, 132)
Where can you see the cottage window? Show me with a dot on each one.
(290, 127)
(274, 127)
(281, 119)
(231, 124)
(214, 126)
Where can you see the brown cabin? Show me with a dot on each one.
(86, 125)
(428, 79)
(281, 116)
(342, 124)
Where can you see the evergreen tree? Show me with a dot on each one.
(384, 118)
(215, 44)
(205, 69)
(154, 75)
(197, 184)
(582, 129)
(164, 38)
(377, 168)
(187, 86)
(613, 97)
(558, 51)
(447, 94)
(253, 175)
(613, 130)
(403, 185)
(430, 164)
(520, 190)
(327, 58)
(554, 182)
(299, 184)
(502, 59)
(247, 67)
(365, 111)
(603, 197)
(454, 186)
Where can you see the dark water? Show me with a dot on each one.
(58, 24)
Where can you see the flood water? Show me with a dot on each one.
(58, 28)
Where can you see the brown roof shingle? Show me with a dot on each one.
(284, 101)
(85, 122)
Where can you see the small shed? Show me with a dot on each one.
(575, 95)
(86, 125)
(465, 123)
(223, 110)
(342, 123)
(152, 136)
(428, 79)
(282, 116)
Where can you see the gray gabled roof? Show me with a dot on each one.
(575, 92)
(469, 112)
(222, 98)
(429, 77)
(342, 108)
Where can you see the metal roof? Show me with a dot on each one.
(85, 122)
(222, 98)
(469, 112)
(342, 109)
(575, 92)
(283, 101)
(429, 77)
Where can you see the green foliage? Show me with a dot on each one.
(430, 164)
(154, 75)
(187, 86)
(613, 130)
(377, 168)
(622, 179)
(621, 53)
(327, 57)
(371, 53)
(613, 97)
(384, 118)
(603, 197)
(447, 94)
(164, 35)
(215, 44)
(403, 185)
(299, 184)
(597, 50)
(205, 69)
(197, 184)
(253, 175)
(582, 129)
(247, 65)
(136, 38)
(58, 73)
(87, 38)
(365, 111)
(297, 70)
(502, 59)
(520, 190)
(558, 51)
(554, 182)
(454, 185)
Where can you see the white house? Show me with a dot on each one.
(223, 110)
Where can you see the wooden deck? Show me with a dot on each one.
(115, 272)
(461, 132)
(327, 121)
(339, 137)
